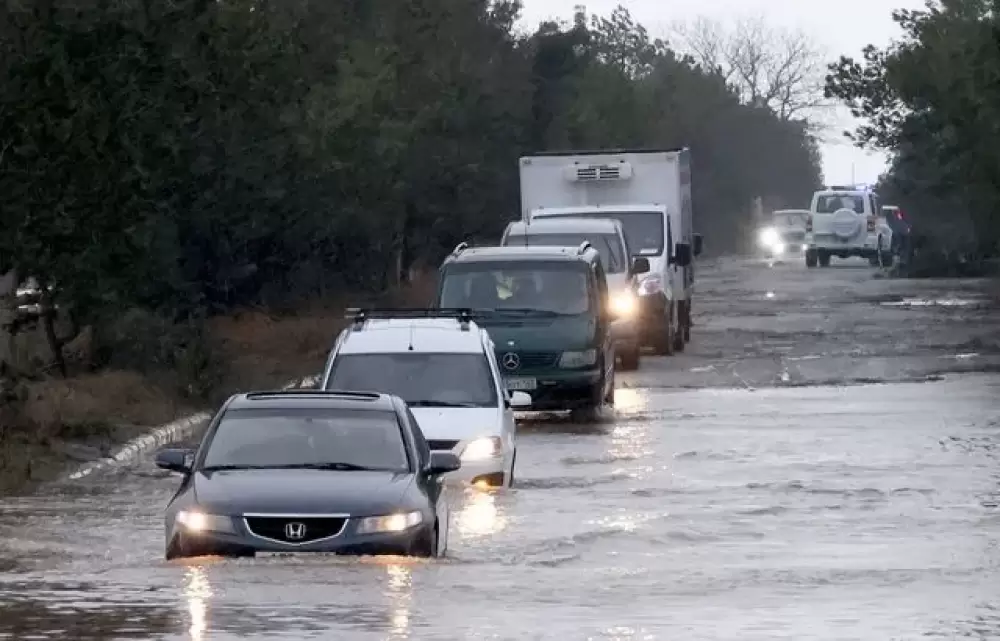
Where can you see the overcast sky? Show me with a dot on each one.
(840, 27)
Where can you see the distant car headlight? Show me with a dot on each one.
(769, 237)
(390, 523)
(585, 358)
(482, 449)
(198, 521)
(624, 304)
(778, 248)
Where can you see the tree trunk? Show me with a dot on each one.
(48, 313)
(8, 313)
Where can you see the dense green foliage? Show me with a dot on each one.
(933, 101)
(188, 157)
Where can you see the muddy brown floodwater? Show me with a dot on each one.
(823, 462)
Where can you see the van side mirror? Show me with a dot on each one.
(682, 254)
(640, 265)
(698, 242)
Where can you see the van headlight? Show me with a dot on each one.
(390, 522)
(571, 360)
(623, 304)
(482, 449)
(198, 521)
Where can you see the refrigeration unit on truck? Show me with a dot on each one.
(649, 192)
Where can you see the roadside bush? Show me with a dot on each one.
(183, 356)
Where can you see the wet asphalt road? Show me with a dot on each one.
(741, 490)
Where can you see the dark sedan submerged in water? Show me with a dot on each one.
(309, 471)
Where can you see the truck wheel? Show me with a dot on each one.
(810, 258)
(663, 343)
(824, 259)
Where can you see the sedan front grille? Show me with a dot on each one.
(441, 444)
(295, 530)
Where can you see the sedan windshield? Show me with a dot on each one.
(420, 379)
(538, 286)
(607, 245)
(334, 438)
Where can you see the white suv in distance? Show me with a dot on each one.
(444, 366)
(847, 221)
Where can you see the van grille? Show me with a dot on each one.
(531, 360)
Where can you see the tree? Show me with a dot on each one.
(779, 69)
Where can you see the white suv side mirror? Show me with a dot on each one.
(520, 400)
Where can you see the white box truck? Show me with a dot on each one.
(649, 192)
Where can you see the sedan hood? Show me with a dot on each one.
(235, 492)
(456, 424)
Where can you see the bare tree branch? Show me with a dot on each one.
(780, 69)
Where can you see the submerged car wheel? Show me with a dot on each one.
(630, 359)
(427, 546)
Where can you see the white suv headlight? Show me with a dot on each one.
(482, 449)
(585, 358)
(390, 522)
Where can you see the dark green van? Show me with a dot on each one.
(547, 311)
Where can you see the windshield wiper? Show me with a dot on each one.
(218, 468)
(439, 404)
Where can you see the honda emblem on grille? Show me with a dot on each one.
(510, 361)
(295, 531)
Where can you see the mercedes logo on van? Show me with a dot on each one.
(510, 361)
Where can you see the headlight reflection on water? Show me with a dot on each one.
(197, 591)
(399, 592)
(478, 516)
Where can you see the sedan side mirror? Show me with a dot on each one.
(698, 242)
(640, 265)
(443, 462)
(520, 400)
(174, 459)
(682, 254)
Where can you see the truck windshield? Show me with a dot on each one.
(547, 287)
(607, 245)
(643, 229)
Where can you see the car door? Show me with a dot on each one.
(607, 343)
(508, 428)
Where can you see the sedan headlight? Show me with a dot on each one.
(390, 522)
(482, 449)
(198, 521)
(769, 237)
(572, 360)
(623, 304)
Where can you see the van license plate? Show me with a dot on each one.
(521, 384)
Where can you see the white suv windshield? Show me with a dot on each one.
(830, 203)
(420, 379)
(607, 245)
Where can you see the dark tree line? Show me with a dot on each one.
(189, 157)
(932, 101)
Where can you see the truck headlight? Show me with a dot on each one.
(390, 522)
(623, 304)
(570, 360)
(198, 521)
(482, 449)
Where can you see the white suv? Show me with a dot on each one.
(444, 366)
(847, 221)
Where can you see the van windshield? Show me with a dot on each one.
(643, 229)
(548, 287)
(607, 245)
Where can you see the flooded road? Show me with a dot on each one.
(736, 493)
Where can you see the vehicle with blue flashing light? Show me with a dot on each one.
(548, 313)
(309, 471)
(444, 366)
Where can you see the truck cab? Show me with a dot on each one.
(649, 193)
